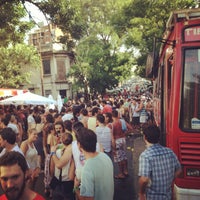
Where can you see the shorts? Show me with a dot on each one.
(120, 152)
(136, 121)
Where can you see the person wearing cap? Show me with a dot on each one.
(158, 167)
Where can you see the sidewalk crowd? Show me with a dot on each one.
(76, 147)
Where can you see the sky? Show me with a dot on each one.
(35, 13)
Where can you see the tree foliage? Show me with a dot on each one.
(14, 54)
(97, 31)
(99, 49)
(88, 31)
(141, 21)
(13, 60)
(12, 28)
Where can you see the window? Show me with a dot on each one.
(35, 41)
(46, 66)
(61, 69)
(63, 93)
(190, 105)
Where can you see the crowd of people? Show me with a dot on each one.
(74, 146)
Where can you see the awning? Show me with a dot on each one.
(11, 92)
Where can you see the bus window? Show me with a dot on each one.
(190, 108)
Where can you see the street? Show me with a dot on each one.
(127, 189)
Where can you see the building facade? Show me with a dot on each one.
(51, 77)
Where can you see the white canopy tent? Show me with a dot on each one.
(27, 98)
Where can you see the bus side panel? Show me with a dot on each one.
(176, 98)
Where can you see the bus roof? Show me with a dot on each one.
(178, 15)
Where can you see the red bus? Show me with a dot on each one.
(176, 77)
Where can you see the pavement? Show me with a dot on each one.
(127, 189)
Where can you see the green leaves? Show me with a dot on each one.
(103, 34)
(15, 56)
(141, 21)
(100, 47)
(12, 28)
(14, 62)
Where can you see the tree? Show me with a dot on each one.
(12, 28)
(87, 28)
(99, 49)
(14, 54)
(140, 22)
(13, 60)
(96, 31)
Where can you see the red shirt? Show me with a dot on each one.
(107, 108)
(37, 197)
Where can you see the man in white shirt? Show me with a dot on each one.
(104, 135)
(31, 119)
(8, 141)
(79, 158)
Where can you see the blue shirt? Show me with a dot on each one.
(159, 164)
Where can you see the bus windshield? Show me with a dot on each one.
(190, 104)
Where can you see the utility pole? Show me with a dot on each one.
(41, 65)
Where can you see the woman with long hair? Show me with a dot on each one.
(51, 140)
(31, 156)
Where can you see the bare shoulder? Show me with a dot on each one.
(24, 144)
(68, 149)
